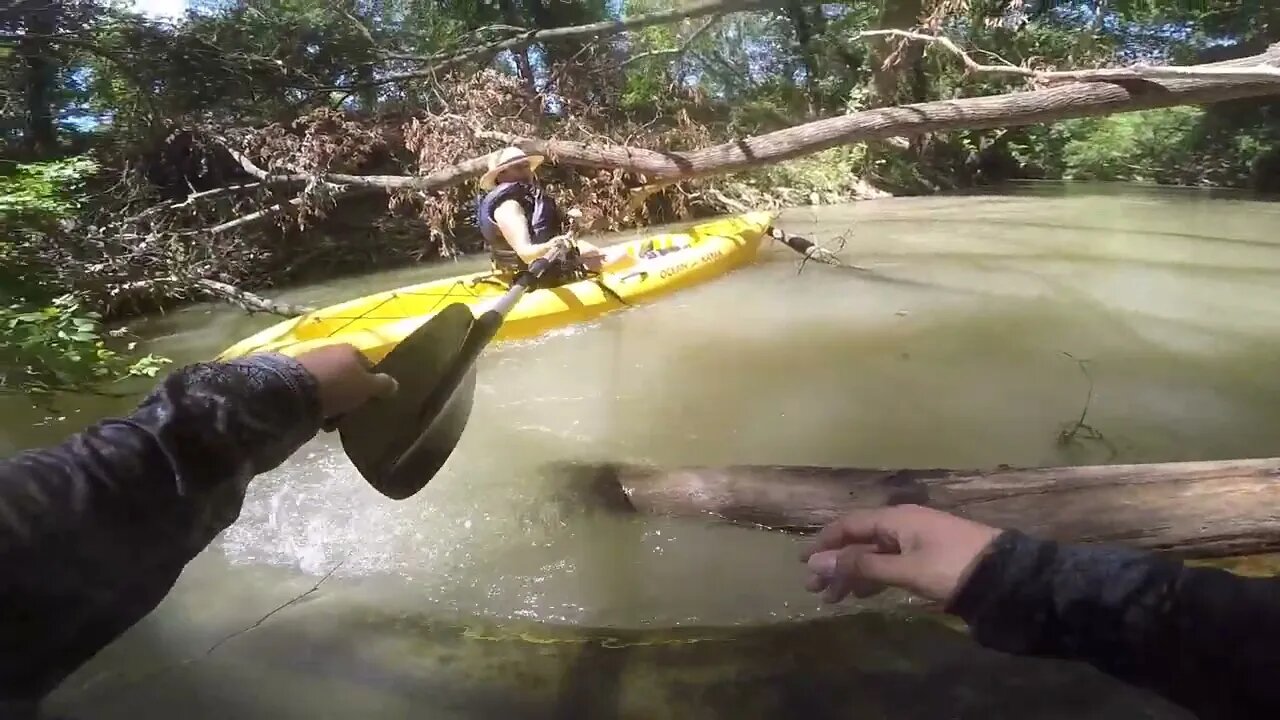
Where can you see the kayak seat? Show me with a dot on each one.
(658, 247)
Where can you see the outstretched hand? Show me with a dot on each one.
(924, 551)
(345, 378)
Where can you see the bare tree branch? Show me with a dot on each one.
(215, 192)
(1133, 72)
(253, 217)
(442, 62)
(677, 51)
(1096, 96)
(447, 177)
(250, 302)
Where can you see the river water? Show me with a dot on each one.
(496, 590)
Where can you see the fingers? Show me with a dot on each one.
(383, 385)
(859, 570)
(345, 378)
(924, 551)
(822, 568)
(858, 526)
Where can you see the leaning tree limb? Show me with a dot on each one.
(1059, 102)
(447, 177)
(1103, 93)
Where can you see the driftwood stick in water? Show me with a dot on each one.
(1190, 509)
(809, 249)
(251, 302)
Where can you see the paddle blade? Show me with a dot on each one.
(399, 443)
(424, 458)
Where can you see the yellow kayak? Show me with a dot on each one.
(377, 323)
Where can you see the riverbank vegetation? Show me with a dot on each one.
(253, 143)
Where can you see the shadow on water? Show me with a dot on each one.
(327, 658)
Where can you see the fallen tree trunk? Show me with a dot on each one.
(1189, 509)
(1102, 96)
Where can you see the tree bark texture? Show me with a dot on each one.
(1089, 97)
(1189, 509)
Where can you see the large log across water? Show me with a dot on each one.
(1190, 509)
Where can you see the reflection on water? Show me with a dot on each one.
(948, 352)
(325, 660)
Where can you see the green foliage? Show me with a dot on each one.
(1135, 146)
(828, 177)
(250, 62)
(35, 199)
(60, 347)
(1183, 145)
(1231, 144)
(39, 192)
(49, 342)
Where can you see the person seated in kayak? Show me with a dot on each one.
(521, 222)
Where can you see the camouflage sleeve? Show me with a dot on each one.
(1201, 637)
(95, 531)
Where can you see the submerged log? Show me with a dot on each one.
(1187, 509)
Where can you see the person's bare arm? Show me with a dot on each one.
(511, 220)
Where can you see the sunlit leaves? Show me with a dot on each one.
(42, 190)
(48, 340)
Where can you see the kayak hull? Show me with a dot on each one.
(377, 323)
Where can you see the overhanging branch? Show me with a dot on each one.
(1229, 70)
(447, 61)
(678, 52)
(1094, 92)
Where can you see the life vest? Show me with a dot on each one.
(540, 210)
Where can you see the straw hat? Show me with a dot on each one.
(507, 158)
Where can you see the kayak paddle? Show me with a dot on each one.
(400, 442)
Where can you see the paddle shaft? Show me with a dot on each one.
(448, 345)
(490, 320)
(523, 280)
(485, 327)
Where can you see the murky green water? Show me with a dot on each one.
(950, 352)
